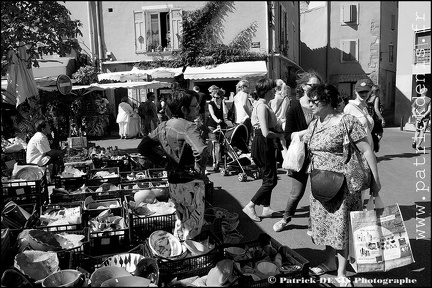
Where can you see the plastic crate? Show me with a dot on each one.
(142, 183)
(190, 265)
(91, 181)
(114, 240)
(90, 263)
(134, 176)
(34, 217)
(66, 256)
(105, 195)
(70, 183)
(26, 191)
(289, 256)
(142, 227)
(60, 228)
(122, 164)
(74, 197)
(59, 198)
(90, 209)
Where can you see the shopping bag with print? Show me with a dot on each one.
(379, 240)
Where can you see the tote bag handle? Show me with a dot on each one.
(374, 203)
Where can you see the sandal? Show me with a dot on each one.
(344, 281)
(321, 269)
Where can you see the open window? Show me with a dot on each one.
(157, 28)
(349, 50)
(348, 14)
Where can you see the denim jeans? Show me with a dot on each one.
(299, 180)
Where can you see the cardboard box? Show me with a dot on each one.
(77, 142)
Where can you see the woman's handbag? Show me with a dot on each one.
(325, 185)
(378, 239)
(295, 155)
(356, 169)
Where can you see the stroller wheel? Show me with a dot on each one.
(242, 177)
(223, 172)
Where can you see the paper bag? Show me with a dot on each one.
(188, 196)
(378, 240)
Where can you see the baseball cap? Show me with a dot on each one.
(363, 85)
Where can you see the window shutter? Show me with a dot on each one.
(349, 13)
(349, 50)
(139, 32)
(176, 28)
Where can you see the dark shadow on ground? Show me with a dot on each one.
(419, 210)
(403, 155)
(223, 199)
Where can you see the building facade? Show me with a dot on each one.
(346, 41)
(119, 34)
(414, 58)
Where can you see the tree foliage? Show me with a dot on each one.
(44, 27)
(86, 75)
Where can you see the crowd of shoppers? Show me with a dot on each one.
(318, 116)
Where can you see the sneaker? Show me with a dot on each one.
(280, 225)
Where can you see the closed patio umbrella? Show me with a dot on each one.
(20, 79)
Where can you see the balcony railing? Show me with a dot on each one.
(422, 53)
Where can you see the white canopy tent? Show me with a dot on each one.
(127, 85)
(139, 75)
(236, 70)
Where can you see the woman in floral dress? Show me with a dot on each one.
(327, 141)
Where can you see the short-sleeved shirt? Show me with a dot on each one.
(363, 116)
(36, 148)
(239, 99)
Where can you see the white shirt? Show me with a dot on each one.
(240, 99)
(362, 114)
(36, 148)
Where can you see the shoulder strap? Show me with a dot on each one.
(280, 105)
(310, 139)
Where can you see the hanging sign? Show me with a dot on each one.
(64, 84)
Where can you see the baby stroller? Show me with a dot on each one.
(235, 153)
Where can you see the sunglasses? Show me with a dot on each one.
(314, 102)
(311, 85)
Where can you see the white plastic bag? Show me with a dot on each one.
(295, 155)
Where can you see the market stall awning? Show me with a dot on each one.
(228, 70)
(54, 67)
(235, 70)
(139, 75)
(127, 85)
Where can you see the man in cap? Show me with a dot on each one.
(358, 107)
